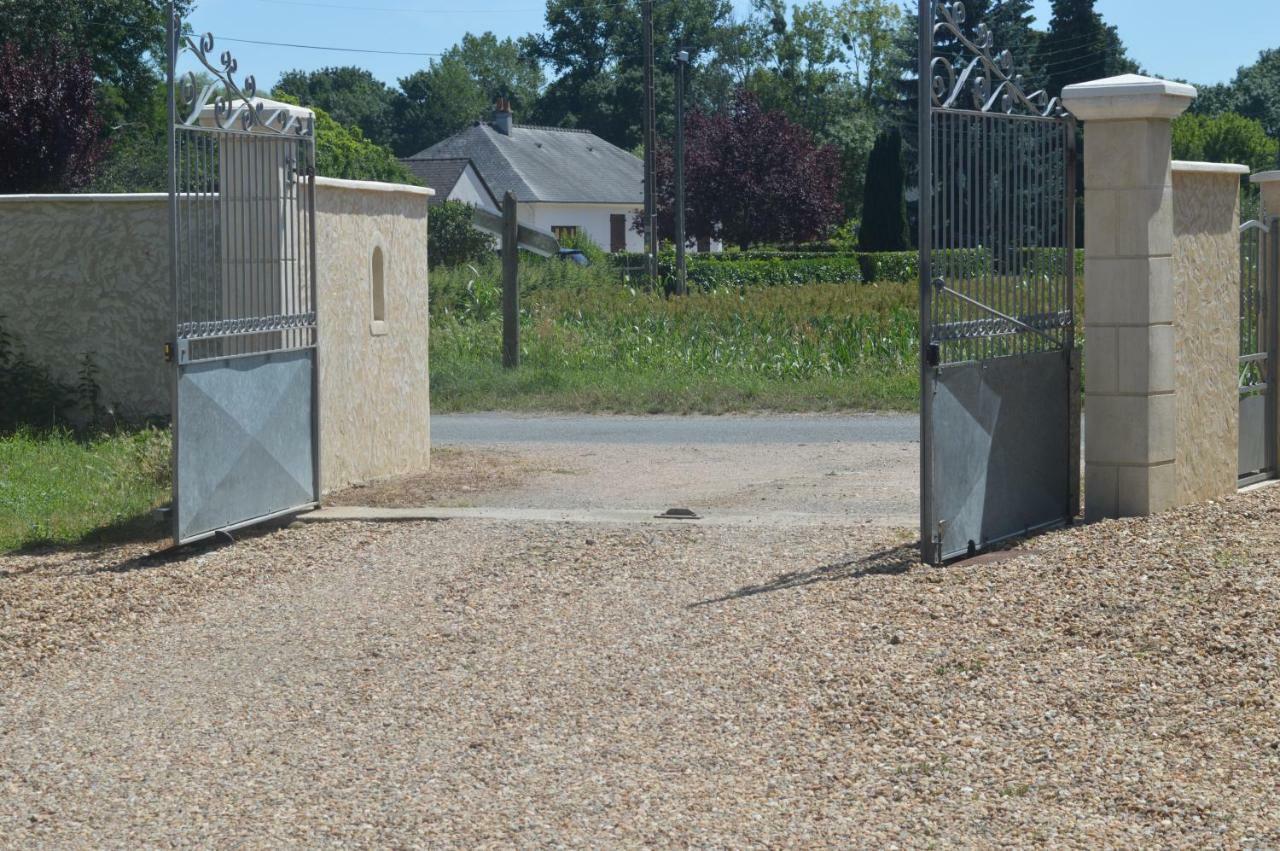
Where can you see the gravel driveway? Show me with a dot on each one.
(475, 683)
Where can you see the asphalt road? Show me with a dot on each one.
(496, 429)
(841, 469)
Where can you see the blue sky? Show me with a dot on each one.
(1170, 37)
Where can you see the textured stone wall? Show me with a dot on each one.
(1206, 255)
(90, 274)
(375, 402)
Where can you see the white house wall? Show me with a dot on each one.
(470, 190)
(590, 219)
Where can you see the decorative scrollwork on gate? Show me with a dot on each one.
(988, 79)
(234, 104)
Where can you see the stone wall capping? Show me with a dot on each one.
(1264, 177)
(88, 198)
(1188, 167)
(374, 186)
(1128, 97)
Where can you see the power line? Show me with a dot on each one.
(325, 47)
(414, 10)
(394, 8)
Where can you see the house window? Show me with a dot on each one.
(617, 233)
(378, 292)
(565, 232)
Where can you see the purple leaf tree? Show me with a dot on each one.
(51, 137)
(751, 176)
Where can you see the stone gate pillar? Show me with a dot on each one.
(1269, 183)
(1130, 394)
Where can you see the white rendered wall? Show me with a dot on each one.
(470, 190)
(589, 219)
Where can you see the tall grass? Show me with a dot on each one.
(56, 488)
(592, 344)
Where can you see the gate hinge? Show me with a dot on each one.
(933, 354)
(168, 352)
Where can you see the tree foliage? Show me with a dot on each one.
(751, 176)
(884, 210)
(1254, 93)
(597, 51)
(451, 240)
(124, 40)
(1080, 46)
(344, 152)
(351, 96)
(1224, 138)
(50, 131)
(460, 88)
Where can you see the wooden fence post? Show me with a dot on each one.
(510, 283)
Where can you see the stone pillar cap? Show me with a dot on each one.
(1127, 97)
(1266, 177)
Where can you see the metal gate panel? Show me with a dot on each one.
(1259, 336)
(999, 465)
(244, 440)
(999, 371)
(242, 265)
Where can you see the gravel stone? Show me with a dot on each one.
(473, 683)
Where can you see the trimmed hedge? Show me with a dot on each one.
(778, 268)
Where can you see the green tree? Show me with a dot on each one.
(352, 96)
(451, 240)
(1253, 93)
(884, 209)
(125, 40)
(1080, 46)
(1224, 138)
(345, 152)
(460, 88)
(597, 51)
(138, 157)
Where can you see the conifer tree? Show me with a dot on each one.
(884, 204)
(1080, 46)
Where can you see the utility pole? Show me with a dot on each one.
(650, 146)
(510, 282)
(682, 280)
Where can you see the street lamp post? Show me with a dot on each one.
(682, 281)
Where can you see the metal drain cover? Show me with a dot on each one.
(679, 514)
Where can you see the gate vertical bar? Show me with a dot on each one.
(313, 296)
(1271, 304)
(928, 552)
(171, 72)
(1074, 443)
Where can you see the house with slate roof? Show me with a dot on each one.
(455, 179)
(565, 181)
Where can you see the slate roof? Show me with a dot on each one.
(442, 175)
(545, 164)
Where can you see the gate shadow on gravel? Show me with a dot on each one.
(892, 562)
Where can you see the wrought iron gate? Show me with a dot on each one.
(243, 272)
(1259, 335)
(1000, 437)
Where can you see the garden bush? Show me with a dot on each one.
(451, 238)
(771, 267)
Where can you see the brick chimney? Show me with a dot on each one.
(502, 117)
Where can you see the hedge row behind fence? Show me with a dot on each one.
(765, 268)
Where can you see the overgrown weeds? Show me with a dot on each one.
(592, 345)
